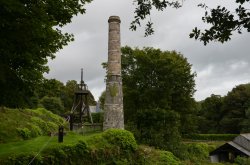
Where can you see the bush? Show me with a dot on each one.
(97, 117)
(199, 151)
(158, 128)
(167, 158)
(41, 124)
(149, 156)
(35, 130)
(22, 159)
(25, 133)
(48, 116)
(242, 160)
(122, 138)
(194, 152)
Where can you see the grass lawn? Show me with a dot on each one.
(34, 145)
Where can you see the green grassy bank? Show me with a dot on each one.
(23, 124)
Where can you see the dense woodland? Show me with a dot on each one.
(228, 114)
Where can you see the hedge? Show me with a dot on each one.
(211, 137)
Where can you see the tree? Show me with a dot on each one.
(143, 10)
(246, 122)
(157, 83)
(30, 35)
(53, 104)
(50, 87)
(69, 94)
(102, 99)
(211, 114)
(235, 109)
(159, 127)
(223, 21)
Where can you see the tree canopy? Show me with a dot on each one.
(228, 114)
(158, 89)
(236, 109)
(223, 21)
(30, 34)
(210, 114)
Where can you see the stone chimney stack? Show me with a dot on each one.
(113, 107)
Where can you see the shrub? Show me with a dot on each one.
(35, 130)
(22, 159)
(199, 150)
(148, 156)
(242, 160)
(41, 124)
(97, 117)
(25, 133)
(122, 138)
(194, 152)
(49, 116)
(167, 158)
(157, 127)
(52, 126)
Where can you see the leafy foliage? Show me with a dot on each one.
(102, 99)
(236, 104)
(158, 127)
(148, 155)
(109, 147)
(196, 152)
(97, 117)
(25, 133)
(143, 11)
(25, 124)
(122, 138)
(229, 114)
(158, 87)
(242, 160)
(50, 88)
(56, 96)
(223, 22)
(211, 114)
(30, 35)
(53, 104)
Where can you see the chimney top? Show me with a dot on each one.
(114, 19)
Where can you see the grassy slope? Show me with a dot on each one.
(108, 147)
(39, 122)
(34, 145)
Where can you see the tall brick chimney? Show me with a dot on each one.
(113, 107)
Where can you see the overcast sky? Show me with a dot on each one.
(219, 67)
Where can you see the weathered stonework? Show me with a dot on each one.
(113, 107)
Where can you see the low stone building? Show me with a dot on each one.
(239, 146)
